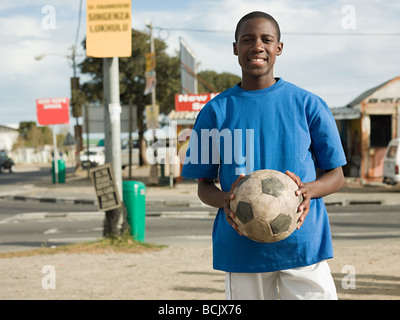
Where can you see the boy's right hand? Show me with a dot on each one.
(229, 214)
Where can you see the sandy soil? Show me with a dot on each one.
(184, 272)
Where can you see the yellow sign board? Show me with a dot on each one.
(108, 28)
(152, 116)
(150, 61)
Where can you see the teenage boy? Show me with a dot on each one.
(267, 123)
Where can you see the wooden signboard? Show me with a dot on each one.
(106, 190)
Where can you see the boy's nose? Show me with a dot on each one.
(258, 46)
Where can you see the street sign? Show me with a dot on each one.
(106, 190)
(150, 61)
(152, 114)
(96, 119)
(108, 28)
(52, 111)
(150, 73)
(188, 68)
(192, 102)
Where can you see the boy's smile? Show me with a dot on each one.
(257, 47)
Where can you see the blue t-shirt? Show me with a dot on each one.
(282, 127)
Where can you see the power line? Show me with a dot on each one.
(79, 23)
(369, 34)
(349, 33)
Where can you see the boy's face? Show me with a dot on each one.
(257, 47)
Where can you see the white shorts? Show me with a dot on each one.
(312, 282)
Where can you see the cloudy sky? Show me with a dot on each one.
(336, 49)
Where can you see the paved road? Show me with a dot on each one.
(25, 225)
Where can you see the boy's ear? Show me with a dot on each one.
(235, 51)
(279, 49)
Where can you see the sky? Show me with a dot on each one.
(336, 49)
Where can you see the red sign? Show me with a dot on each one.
(192, 102)
(52, 111)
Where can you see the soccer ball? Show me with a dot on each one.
(265, 205)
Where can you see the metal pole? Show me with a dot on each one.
(153, 93)
(114, 109)
(173, 144)
(398, 122)
(114, 219)
(154, 168)
(87, 136)
(106, 101)
(130, 138)
(55, 152)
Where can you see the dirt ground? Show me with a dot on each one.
(184, 273)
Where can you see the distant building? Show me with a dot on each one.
(8, 136)
(366, 125)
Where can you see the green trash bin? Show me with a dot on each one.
(134, 197)
(61, 171)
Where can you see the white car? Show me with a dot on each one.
(391, 163)
(93, 157)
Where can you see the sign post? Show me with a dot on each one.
(192, 102)
(109, 36)
(108, 28)
(53, 111)
(106, 190)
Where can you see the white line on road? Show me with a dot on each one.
(81, 239)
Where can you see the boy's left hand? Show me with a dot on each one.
(303, 190)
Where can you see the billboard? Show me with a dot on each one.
(50, 111)
(188, 69)
(108, 28)
(192, 102)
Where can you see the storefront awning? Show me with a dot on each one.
(183, 117)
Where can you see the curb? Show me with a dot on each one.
(337, 200)
(153, 202)
(50, 200)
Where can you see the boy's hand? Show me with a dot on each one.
(304, 207)
(229, 214)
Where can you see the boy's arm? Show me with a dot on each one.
(211, 195)
(331, 182)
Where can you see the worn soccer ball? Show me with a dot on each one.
(265, 205)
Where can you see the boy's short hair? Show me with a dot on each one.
(258, 14)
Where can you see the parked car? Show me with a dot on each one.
(6, 162)
(93, 157)
(125, 154)
(391, 163)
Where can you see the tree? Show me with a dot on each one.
(218, 81)
(132, 78)
(31, 136)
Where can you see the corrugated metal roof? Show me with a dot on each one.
(183, 117)
(367, 93)
(352, 109)
(345, 113)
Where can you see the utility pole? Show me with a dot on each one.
(154, 168)
(114, 220)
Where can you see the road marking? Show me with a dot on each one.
(385, 234)
(81, 239)
(181, 237)
(82, 215)
(52, 231)
(187, 214)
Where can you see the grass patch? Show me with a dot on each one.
(123, 244)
